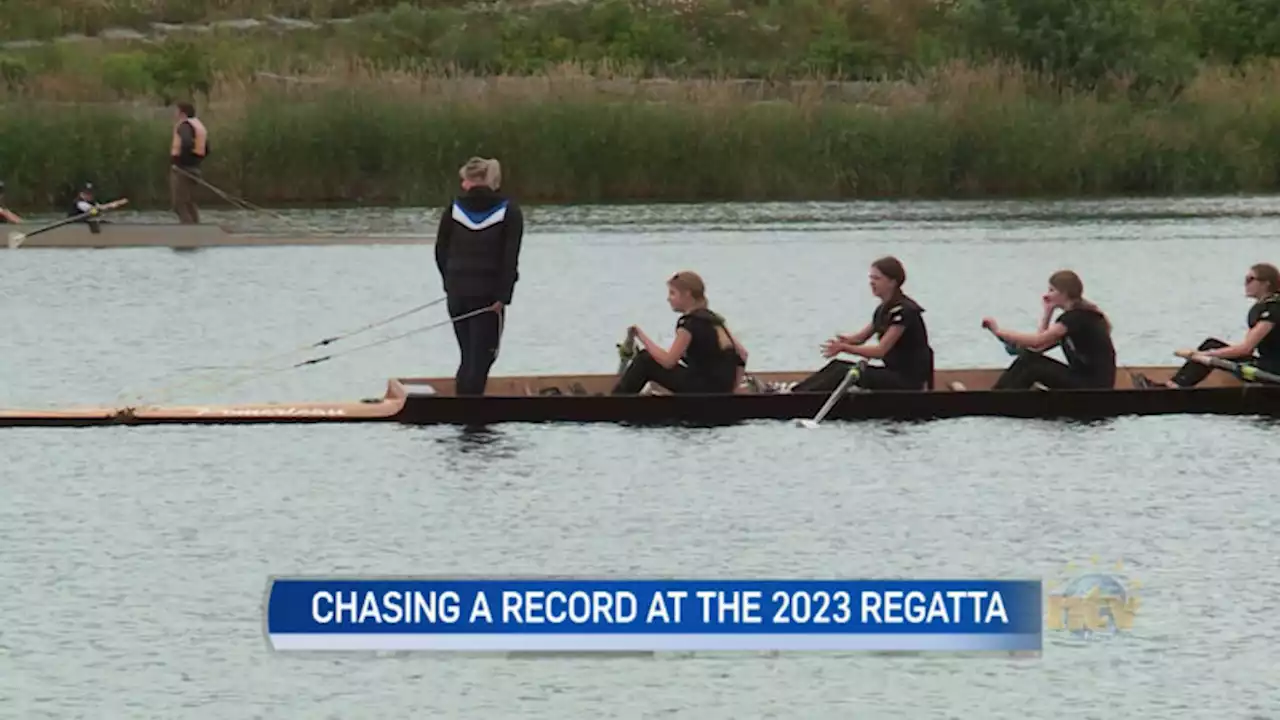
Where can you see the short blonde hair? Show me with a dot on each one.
(482, 171)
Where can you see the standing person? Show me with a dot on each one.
(704, 358)
(188, 149)
(903, 346)
(1083, 331)
(1260, 346)
(7, 215)
(478, 254)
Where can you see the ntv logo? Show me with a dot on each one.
(1092, 602)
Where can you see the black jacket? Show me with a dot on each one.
(478, 246)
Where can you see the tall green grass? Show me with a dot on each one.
(959, 133)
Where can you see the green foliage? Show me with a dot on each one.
(348, 146)
(177, 69)
(1080, 43)
(14, 73)
(1155, 45)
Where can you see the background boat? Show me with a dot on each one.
(174, 235)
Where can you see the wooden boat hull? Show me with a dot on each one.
(574, 398)
(173, 235)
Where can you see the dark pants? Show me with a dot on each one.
(872, 378)
(1031, 368)
(478, 339)
(1193, 373)
(679, 379)
(182, 191)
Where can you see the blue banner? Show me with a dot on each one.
(653, 615)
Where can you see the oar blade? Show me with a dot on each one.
(15, 240)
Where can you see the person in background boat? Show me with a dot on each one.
(478, 254)
(703, 358)
(187, 150)
(7, 215)
(82, 204)
(1083, 331)
(1260, 346)
(902, 341)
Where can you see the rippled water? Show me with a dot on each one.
(133, 561)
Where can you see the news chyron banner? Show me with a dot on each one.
(577, 615)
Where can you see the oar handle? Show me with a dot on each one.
(1008, 346)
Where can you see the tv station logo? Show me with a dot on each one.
(1092, 601)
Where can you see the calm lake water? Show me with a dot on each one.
(134, 560)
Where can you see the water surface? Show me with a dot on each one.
(135, 559)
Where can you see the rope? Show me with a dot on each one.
(237, 201)
(358, 348)
(243, 204)
(167, 390)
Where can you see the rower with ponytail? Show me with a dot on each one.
(704, 358)
(1083, 331)
(903, 347)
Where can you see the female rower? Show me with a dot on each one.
(1083, 331)
(903, 345)
(704, 358)
(1260, 346)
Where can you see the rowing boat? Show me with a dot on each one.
(174, 235)
(584, 398)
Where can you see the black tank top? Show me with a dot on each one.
(1267, 310)
(704, 356)
(1088, 347)
(912, 356)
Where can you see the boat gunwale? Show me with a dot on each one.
(400, 407)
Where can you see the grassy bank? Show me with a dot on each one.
(957, 132)
(1154, 42)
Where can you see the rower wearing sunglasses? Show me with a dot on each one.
(1260, 346)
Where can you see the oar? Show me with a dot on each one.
(1008, 346)
(626, 350)
(841, 389)
(16, 238)
(1243, 371)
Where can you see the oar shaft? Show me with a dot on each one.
(841, 389)
(22, 237)
(1243, 371)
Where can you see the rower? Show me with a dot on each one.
(703, 358)
(84, 204)
(478, 256)
(1260, 346)
(7, 215)
(1083, 331)
(187, 150)
(903, 341)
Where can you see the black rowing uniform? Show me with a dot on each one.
(907, 366)
(708, 363)
(911, 357)
(705, 367)
(1087, 346)
(1267, 354)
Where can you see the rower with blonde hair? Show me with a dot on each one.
(1083, 331)
(478, 254)
(703, 358)
(1260, 347)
